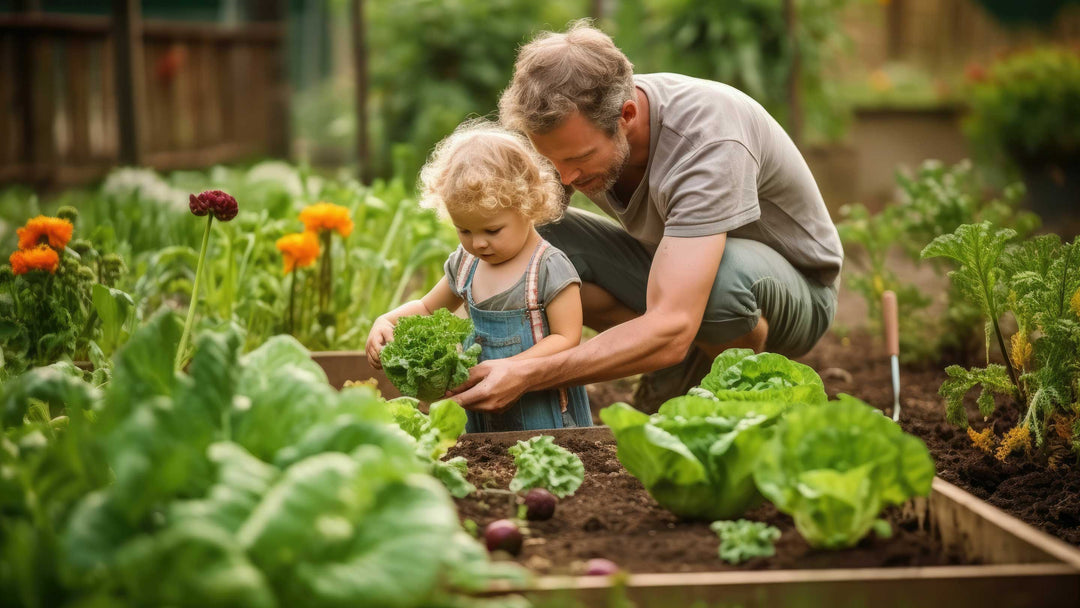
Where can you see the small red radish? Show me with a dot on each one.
(539, 504)
(600, 567)
(503, 535)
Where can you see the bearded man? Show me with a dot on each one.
(722, 237)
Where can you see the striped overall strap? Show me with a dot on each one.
(532, 302)
(464, 266)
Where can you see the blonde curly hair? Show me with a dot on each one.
(484, 166)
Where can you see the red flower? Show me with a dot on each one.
(222, 205)
(975, 73)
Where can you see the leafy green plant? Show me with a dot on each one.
(743, 539)
(1021, 112)
(435, 433)
(833, 467)
(1037, 281)
(738, 374)
(542, 464)
(696, 455)
(935, 200)
(246, 481)
(426, 358)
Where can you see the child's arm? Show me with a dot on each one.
(382, 331)
(564, 323)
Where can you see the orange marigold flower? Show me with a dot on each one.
(42, 230)
(327, 216)
(41, 257)
(299, 249)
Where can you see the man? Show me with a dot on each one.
(723, 239)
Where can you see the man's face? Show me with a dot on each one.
(585, 157)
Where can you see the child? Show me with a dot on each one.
(522, 294)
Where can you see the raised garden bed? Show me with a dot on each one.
(344, 365)
(1047, 499)
(950, 548)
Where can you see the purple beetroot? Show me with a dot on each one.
(539, 504)
(503, 535)
(600, 567)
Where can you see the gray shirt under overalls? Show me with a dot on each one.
(503, 327)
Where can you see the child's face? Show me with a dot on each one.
(492, 237)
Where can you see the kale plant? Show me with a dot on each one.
(426, 357)
(542, 464)
(1036, 280)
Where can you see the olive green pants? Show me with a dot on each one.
(753, 281)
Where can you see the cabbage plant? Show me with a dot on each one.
(740, 375)
(833, 467)
(696, 455)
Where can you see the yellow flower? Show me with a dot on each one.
(1075, 302)
(327, 216)
(1018, 437)
(984, 440)
(299, 249)
(54, 231)
(41, 257)
(1021, 350)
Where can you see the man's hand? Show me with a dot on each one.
(493, 386)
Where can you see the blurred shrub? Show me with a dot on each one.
(1023, 108)
(934, 200)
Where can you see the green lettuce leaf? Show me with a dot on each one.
(426, 358)
(743, 539)
(696, 455)
(833, 467)
(542, 464)
(740, 375)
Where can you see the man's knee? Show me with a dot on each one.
(602, 310)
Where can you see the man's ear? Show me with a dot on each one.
(629, 111)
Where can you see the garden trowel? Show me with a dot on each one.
(892, 343)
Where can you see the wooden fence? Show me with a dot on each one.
(943, 36)
(80, 95)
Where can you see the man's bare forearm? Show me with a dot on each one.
(633, 347)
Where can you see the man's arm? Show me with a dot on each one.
(680, 281)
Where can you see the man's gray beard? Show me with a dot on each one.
(608, 179)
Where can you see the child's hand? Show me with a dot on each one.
(382, 333)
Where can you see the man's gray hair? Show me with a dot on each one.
(557, 74)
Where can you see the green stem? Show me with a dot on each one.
(292, 304)
(194, 296)
(325, 283)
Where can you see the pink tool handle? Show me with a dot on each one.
(892, 328)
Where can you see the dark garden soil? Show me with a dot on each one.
(1023, 485)
(613, 517)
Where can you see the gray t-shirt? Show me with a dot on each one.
(556, 273)
(718, 162)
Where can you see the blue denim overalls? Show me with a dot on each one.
(505, 333)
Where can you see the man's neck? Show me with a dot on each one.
(637, 135)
